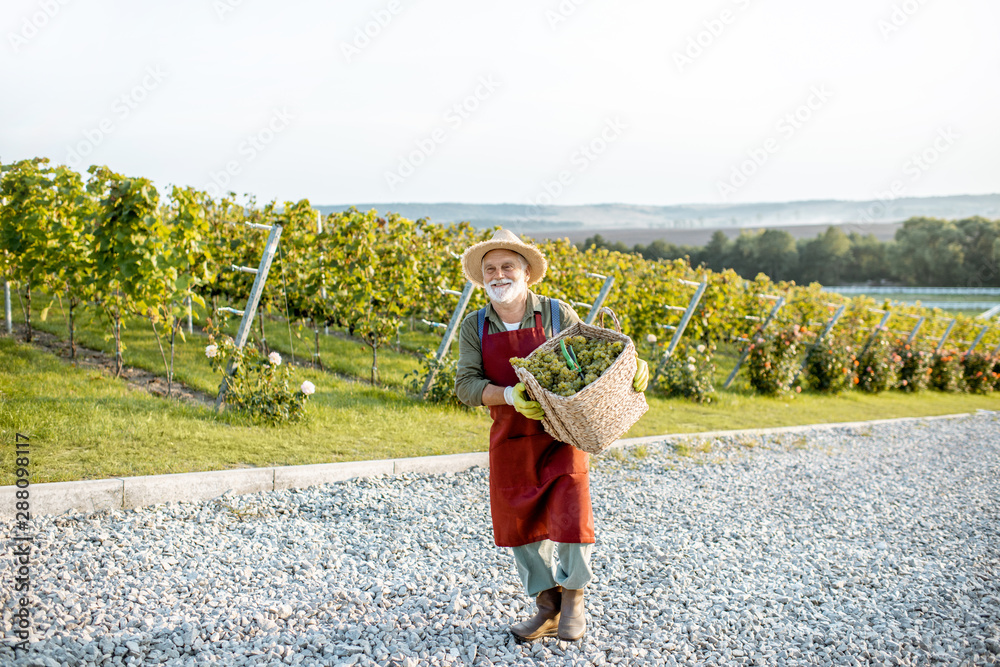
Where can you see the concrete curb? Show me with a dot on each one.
(193, 486)
(299, 477)
(54, 498)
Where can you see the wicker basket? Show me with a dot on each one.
(597, 415)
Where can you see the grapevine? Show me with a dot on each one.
(118, 246)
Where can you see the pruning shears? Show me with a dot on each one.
(570, 356)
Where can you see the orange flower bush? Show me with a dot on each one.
(914, 365)
(773, 361)
(946, 374)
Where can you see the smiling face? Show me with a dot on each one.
(505, 276)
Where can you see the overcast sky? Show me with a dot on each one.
(522, 101)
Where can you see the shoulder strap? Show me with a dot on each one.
(556, 319)
(481, 320)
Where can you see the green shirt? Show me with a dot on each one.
(470, 379)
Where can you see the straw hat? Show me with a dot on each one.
(472, 258)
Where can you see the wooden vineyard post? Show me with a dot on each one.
(947, 332)
(322, 261)
(780, 301)
(916, 328)
(979, 337)
(819, 339)
(602, 295)
(6, 308)
(248, 312)
(449, 334)
(886, 314)
(681, 326)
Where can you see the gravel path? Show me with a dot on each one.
(871, 545)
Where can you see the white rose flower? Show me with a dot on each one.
(700, 348)
(274, 358)
(651, 338)
(211, 350)
(691, 368)
(690, 360)
(308, 388)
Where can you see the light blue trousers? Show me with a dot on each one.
(539, 571)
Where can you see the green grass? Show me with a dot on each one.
(86, 425)
(340, 354)
(732, 410)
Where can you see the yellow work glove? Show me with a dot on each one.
(524, 405)
(641, 378)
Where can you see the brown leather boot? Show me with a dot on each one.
(545, 623)
(573, 619)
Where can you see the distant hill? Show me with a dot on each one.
(541, 221)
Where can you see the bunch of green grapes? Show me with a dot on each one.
(553, 373)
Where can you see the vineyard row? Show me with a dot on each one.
(115, 241)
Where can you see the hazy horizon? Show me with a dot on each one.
(671, 205)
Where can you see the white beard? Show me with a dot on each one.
(509, 294)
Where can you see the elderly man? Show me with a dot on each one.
(539, 487)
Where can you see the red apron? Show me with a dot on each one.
(539, 487)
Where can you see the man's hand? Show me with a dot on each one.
(641, 378)
(525, 406)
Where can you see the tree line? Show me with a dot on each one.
(925, 252)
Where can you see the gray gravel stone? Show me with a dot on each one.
(876, 544)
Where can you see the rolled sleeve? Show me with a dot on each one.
(470, 379)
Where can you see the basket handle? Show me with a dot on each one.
(605, 309)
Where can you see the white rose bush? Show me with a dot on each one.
(651, 340)
(259, 389)
(688, 373)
